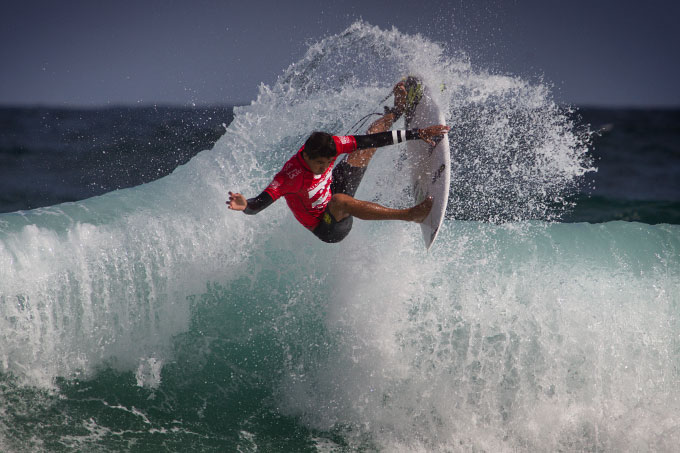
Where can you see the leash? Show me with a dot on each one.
(355, 128)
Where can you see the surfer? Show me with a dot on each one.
(322, 197)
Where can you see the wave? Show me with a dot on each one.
(532, 337)
(519, 335)
(601, 209)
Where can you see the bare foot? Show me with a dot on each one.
(420, 211)
(399, 91)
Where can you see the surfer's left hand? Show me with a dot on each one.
(237, 202)
(429, 133)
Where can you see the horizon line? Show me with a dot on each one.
(171, 105)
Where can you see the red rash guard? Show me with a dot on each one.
(307, 194)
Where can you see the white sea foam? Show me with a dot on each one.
(538, 338)
(519, 336)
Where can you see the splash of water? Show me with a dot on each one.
(526, 335)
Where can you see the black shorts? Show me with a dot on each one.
(346, 179)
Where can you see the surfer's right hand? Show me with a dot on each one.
(429, 133)
(237, 202)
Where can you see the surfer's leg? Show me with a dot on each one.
(362, 157)
(336, 221)
(343, 205)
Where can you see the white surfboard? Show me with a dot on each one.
(430, 166)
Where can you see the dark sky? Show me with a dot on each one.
(596, 52)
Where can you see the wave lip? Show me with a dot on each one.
(509, 335)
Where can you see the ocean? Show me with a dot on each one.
(137, 313)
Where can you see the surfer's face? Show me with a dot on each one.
(318, 165)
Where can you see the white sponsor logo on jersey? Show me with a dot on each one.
(322, 185)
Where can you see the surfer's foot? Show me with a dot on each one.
(407, 95)
(400, 94)
(420, 211)
(414, 93)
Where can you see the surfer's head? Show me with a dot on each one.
(319, 152)
(320, 144)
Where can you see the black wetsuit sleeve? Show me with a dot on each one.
(258, 203)
(385, 138)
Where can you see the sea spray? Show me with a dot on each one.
(532, 338)
(163, 320)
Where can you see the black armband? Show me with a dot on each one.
(258, 203)
(386, 138)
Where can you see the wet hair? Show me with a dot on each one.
(320, 144)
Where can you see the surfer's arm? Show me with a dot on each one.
(251, 206)
(385, 138)
(257, 204)
(397, 136)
